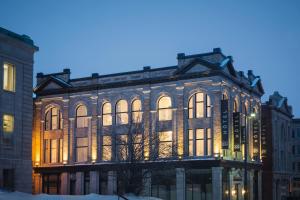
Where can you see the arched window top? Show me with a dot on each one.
(53, 118)
(199, 105)
(164, 102)
(137, 105)
(106, 108)
(81, 111)
(122, 106)
(245, 108)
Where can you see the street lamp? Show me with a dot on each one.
(245, 191)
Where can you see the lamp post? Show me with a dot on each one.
(245, 133)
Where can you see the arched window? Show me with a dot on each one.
(53, 119)
(164, 109)
(81, 117)
(136, 111)
(199, 106)
(122, 112)
(106, 114)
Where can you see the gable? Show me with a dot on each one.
(52, 85)
(197, 68)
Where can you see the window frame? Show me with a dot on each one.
(48, 126)
(106, 115)
(14, 80)
(11, 123)
(195, 103)
(120, 113)
(206, 141)
(83, 117)
(163, 110)
(138, 112)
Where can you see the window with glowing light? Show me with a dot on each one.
(122, 112)
(81, 117)
(106, 148)
(106, 114)
(53, 119)
(9, 77)
(165, 144)
(122, 147)
(82, 149)
(164, 109)
(200, 142)
(199, 106)
(8, 123)
(136, 111)
(53, 150)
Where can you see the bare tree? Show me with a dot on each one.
(135, 148)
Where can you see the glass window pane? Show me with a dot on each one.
(165, 136)
(107, 140)
(106, 108)
(165, 114)
(199, 109)
(122, 106)
(8, 123)
(199, 97)
(164, 102)
(81, 111)
(136, 105)
(199, 147)
(137, 116)
(191, 102)
(191, 135)
(200, 133)
(107, 120)
(53, 151)
(106, 153)
(9, 79)
(191, 148)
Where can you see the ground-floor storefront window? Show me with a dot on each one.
(163, 184)
(198, 184)
(103, 180)
(51, 183)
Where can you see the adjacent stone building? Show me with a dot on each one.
(277, 136)
(16, 105)
(295, 159)
(188, 126)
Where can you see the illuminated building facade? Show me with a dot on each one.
(201, 111)
(16, 73)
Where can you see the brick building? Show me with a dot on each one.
(16, 60)
(295, 159)
(202, 113)
(277, 131)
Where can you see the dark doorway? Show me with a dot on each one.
(8, 179)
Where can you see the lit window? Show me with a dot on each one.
(122, 112)
(165, 144)
(81, 117)
(196, 106)
(53, 119)
(136, 111)
(82, 149)
(122, 147)
(53, 146)
(191, 143)
(9, 77)
(106, 148)
(53, 150)
(200, 142)
(106, 114)
(138, 146)
(164, 109)
(8, 123)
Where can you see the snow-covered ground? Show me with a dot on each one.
(25, 196)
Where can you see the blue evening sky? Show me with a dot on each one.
(116, 36)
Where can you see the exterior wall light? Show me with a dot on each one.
(233, 192)
(243, 192)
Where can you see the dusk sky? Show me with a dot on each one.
(116, 36)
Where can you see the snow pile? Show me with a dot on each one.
(25, 196)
